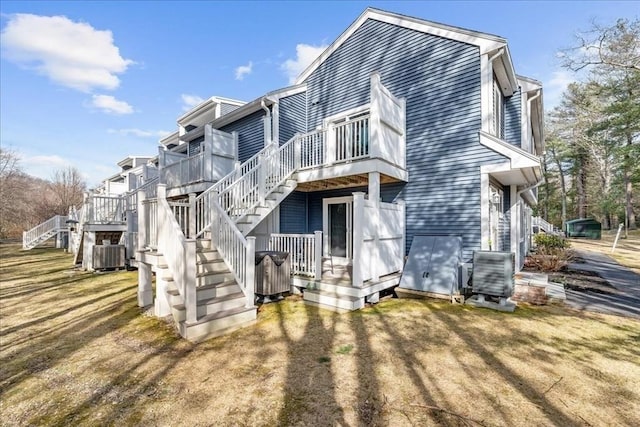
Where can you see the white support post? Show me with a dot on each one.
(192, 216)
(251, 272)
(318, 255)
(143, 218)
(297, 152)
(234, 134)
(190, 299)
(207, 159)
(145, 290)
(358, 221)
(262, 180)
(374, 197)
(330, 145)
(161, 303)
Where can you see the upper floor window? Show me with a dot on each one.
(498, 109)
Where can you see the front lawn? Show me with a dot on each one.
(76, 350)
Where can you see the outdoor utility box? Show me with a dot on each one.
(493, 273)
(433, 264)
(273, 272)
(108, 256)
(584, 227)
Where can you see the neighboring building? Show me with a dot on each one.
(402, 127)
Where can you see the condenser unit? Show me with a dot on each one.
(108, 256)
(493, 273)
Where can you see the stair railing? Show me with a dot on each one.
(52, 225)
(179, 254)
(237, 251)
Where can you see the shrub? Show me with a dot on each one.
(552, 252)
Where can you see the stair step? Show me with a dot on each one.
(332, 300)
(211, 278)
(210, 306)
(217, 324)
(214, 266)
(218, 289)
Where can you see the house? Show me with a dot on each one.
(400, 128)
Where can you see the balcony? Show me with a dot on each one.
(351, 144)
(185, 174)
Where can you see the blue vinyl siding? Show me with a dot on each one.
(294, 214)
(194, 146)
(440, 80)
(505, 223)
(293, 116)
(302, 212)
(512, 115)
(250, 134)
(227, 108)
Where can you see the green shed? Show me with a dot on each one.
(588, 228)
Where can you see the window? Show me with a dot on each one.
(498, 109)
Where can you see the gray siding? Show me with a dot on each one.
(226, 108)
(250, 134)
(440, 80)
(512, 115)
(293, 116)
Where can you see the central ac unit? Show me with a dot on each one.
(493, 273)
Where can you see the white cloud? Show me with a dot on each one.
(305, 55)
(244, 70)
(555, 86)
(72, 54)
(109, 104)
(190, 101)
(140, 133)
(52, 161)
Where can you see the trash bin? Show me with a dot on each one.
(273, 273)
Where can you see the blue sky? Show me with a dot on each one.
(88, 83)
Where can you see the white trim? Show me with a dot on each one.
(486, 42)
(325, 224)
(204, 107)
(344, 114)
(513, 221)
(519, 158)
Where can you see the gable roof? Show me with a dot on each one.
(486, 42)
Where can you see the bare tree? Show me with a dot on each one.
(67, 189)
(613, 47)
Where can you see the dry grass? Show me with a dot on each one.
(75, 350)
(627, 250)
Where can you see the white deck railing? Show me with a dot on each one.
(539, 222)
(352, 138)
(185, 171)
(301, 248)
(150, 208)
(105, 209)
(181, 214)
(312, 149)
(46, 229)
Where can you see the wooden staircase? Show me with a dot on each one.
(220, 304)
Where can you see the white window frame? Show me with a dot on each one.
(498, 109)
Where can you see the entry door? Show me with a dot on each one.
(337, 218)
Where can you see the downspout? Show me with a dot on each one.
(530, 100)
(267, 121)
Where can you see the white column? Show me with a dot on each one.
(358, 221)
(251, 272)
(318, 255)
(374, 197)
(161, 303)
(190, 298)
(145, 290)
